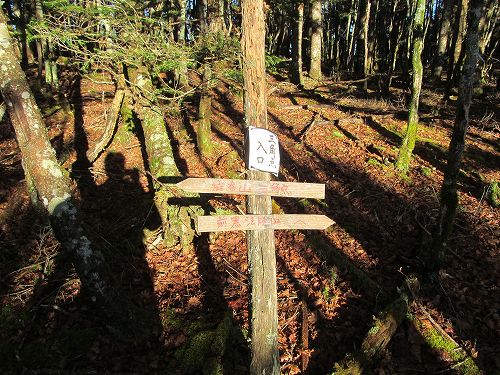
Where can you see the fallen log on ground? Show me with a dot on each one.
(111, 121)
(376, 340)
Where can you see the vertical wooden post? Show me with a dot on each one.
(260, 243)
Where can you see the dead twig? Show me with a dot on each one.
(307, 129)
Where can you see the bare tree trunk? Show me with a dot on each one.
(363, 40)
(449, 197)
(260, 243)
(444, 31)
(296, 75)
(406, 149)
(111, 121)
(316, 40)
(211, 23)
(182, 71)
(19, 10)
(204, 133)
(176, 221)
(487, 23)
(37, 4)
(350, 50)
(49, 179)
(395, 33)
(456, 47)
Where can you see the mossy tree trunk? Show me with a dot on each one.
(449, 197)
(408, 143)
(50, 182)
(260, 243)
(204, 133)
(176, 219)
(376, 340)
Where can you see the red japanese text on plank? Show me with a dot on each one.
(279, 188)
(221, 222)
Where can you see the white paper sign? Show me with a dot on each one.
(263, 150)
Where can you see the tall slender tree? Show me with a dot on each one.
(49, 179)
(296, 75)
(410, 136)
(316, 40)
(211, 25)
(449, 196)
(456, 45)
(444, 32)
(260, 243)
(363, 40)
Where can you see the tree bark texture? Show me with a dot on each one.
(363, 40)
(408, 143)
(488, 23)
(204, 133)
(176, 220)
(211, 23)
(50, 180)
(456, 46)
(296, 75)
(355, 26)
(376, 341)
(316, 40)
(449, 196)
(260, 243)
(395, 35)
(111, 121)
(444, 31)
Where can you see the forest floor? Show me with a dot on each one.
(330, 133)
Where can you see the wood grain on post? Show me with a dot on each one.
(222, 223)
(260, 243)
(249, 187)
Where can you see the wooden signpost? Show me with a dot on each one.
(221, 223)
(253, 187)
(254, 222)
(264, 312)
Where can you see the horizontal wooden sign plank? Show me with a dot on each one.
(219, 223)
(253, 187)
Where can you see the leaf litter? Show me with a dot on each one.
(324, 313)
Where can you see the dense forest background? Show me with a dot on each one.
(106, 105)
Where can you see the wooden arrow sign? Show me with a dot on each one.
(251, 187)
(253, 222)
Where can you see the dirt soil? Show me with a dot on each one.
(329, 134)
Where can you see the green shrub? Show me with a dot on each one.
(494, 194)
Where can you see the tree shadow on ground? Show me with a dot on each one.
(214, 342)
(63, 331)
(375, 210)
